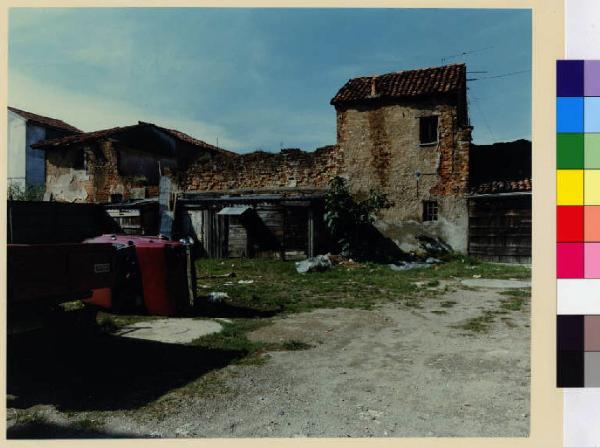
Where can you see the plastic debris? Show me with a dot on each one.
(403, 266)
(217, 297)
(319, 263)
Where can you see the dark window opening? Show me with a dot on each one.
(79, 160)
(430, 210)
(428, 129)
(116, 198)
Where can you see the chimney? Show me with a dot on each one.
(373, 86)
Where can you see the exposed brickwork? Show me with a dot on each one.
(288, 168)
(91, 174)
(381, 146)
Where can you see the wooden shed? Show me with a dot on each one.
(500, 227)
(285, 224)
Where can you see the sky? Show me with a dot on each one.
(257, 78)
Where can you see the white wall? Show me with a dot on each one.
(16, 161)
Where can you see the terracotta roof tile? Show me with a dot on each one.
(410, 83)
(44, 120)
(106, 133)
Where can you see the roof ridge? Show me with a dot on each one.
(44, 120)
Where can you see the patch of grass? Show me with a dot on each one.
(522, 293)
(72, 305)
(448, 304)
(295, 345)
(513, 303)
(480, 324)
(28, 417)
(112, 322)
(233, 337)
(86, 424)
(277, 286)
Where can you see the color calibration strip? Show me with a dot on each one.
(578, 223)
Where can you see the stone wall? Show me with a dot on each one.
(382, 150)
(288, 168)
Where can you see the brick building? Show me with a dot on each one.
(408, 135)
(405, 133)
(119, 164)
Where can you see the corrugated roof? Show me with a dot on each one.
(106, 133)
(233, 210)
(410, 83)
(44, 120)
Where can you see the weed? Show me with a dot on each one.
(448, 304)
(86, 424)
(522, 293)
(295, 345)
(480, 324)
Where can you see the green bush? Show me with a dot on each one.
(33, 193)
(348, 219)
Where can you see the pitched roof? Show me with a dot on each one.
(44, 120)
(404, 84)
(106, 133)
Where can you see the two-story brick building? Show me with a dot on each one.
(407, 134)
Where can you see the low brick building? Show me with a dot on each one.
(119, 164)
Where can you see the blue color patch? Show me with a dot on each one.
(592, 114)
(569, 114)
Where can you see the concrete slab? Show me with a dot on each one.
(497, 283)
(170, 330)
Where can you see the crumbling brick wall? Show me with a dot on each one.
(381, 146)
(91, 173)
(288, 168)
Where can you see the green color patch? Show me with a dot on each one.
(569, 151)
(592, 151)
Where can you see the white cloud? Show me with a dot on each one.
(90, 113)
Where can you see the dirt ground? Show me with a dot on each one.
(456, 365)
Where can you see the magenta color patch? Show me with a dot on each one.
(592, 260)
(569, 260)
(592, 78)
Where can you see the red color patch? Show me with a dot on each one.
(569, 224)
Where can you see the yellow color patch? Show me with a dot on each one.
(592, 187)
(569, 187)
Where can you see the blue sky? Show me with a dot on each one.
(257, 78)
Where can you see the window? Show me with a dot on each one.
(430, 210)
(428, 129)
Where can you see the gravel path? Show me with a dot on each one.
(393, 371)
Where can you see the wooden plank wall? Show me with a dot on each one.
(500, 228)
(269, 230)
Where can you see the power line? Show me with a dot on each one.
(504, 75)
(465, 53)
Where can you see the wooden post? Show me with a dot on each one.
(311, 232)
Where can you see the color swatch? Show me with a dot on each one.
(578, 223)
(578, 169)
(578, 353)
